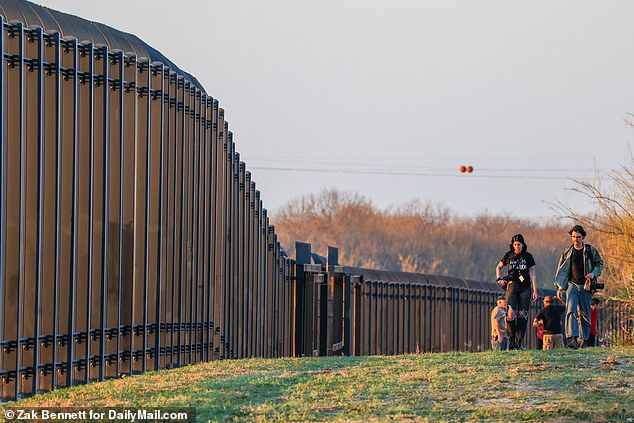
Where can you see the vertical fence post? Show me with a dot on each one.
(88, 51)
(103, 55)
(352, 316)
(302, 254)
(22, 140)
(40, 200)
(144, 66)
(3, 201)
(160, 263)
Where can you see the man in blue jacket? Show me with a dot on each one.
(579, 266)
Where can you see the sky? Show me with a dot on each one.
(389, 99)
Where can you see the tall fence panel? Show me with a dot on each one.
(131, 232)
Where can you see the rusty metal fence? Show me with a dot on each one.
(132, 237)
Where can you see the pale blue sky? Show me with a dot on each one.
(388, 99)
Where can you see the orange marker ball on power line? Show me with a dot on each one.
(469, 169)
(463, 169)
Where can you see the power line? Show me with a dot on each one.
(475, 174)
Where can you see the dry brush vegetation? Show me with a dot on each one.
(613, 222)
(415, 237)
(426, 238)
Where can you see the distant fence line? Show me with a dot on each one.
(358, 311)
(355, 311)
(132, 237)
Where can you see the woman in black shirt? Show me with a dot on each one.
(520, 280)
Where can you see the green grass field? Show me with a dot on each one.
(592, 385)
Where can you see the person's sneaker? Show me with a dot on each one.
(574, 345)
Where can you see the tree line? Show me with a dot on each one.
(416, 237)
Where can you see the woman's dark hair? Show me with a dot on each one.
(519, 238)
(578, 229)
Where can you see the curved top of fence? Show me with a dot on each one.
(419, 278)
(31, 14)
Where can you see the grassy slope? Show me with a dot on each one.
(513, 386)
